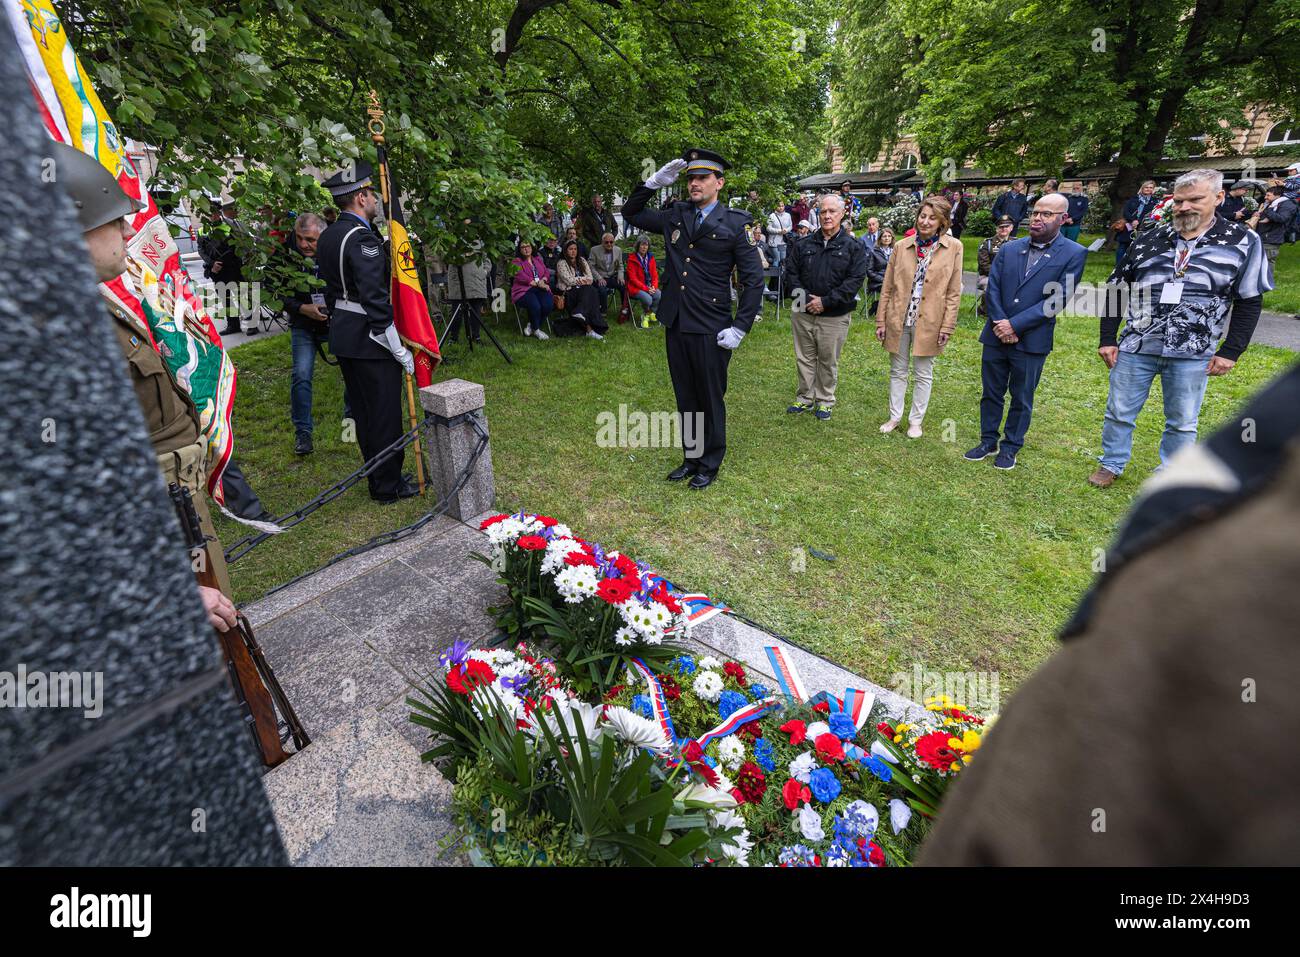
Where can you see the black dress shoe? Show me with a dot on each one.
(407, 489)
(303, 446)
(701, 480)
(682, 471)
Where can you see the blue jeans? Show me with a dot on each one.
(539, 304)
(1183, 383)
(611, 286)
(649, 298)
(1008, 369)
(303, 342)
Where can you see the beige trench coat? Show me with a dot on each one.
(940, 296)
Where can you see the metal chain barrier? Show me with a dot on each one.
(245, 545)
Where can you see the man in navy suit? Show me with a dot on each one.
(1031, 281)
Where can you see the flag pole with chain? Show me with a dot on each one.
(376, 126)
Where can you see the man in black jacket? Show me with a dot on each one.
(1275, 217)
(824, 273)
(704, 242)
(1013, 203)
(304, 303)
(362, 334)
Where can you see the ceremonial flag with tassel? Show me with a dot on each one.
(410, 311)
(155, 291)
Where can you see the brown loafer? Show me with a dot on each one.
(1102, 478)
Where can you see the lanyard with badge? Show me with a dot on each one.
(1171, 293)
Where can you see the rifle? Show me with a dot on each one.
(256, 689)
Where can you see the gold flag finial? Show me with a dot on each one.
(376, 114)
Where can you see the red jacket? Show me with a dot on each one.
(637, 280)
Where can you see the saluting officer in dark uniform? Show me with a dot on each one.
(354, 265)
(704, 241)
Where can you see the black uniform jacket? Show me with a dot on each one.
(696, 273)
(833, 270)
(354, 265)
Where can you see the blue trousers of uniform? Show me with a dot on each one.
(1007, 369)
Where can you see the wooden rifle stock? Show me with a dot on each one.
(254, 683)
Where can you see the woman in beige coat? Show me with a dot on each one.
(919, 302)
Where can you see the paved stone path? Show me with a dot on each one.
(350, 642)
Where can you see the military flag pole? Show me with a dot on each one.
(376, 126)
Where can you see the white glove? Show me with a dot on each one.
(667, 174)
(391, 341)
(730, 337)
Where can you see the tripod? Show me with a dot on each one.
(464, 313)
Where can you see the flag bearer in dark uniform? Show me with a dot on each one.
(169, 413)
(703, 242)
(354, 266)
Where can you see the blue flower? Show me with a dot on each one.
(456, 655)
(796, 856)
(730, 701)
(765, 754)
(842, 727)
(824, 784)
(685, 665)
(759, 691)
(879, 768)
(641, 705)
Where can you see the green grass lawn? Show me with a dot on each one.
(938, 561)
(1284, 298)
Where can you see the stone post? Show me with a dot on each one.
(457, 406)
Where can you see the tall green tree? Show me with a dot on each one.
(1012, 86)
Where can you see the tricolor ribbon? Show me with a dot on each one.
(739, 718)
(699, 608)
(658, 703)
(856, 704)
(787, 675)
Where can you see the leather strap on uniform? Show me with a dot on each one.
(342, 249)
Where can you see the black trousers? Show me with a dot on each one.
(375, 392)
(698, 367)
(240, 497)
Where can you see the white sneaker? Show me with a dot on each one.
(913, 431)
(541, 335)
(593, 334)
(889, 426)
(528, 330)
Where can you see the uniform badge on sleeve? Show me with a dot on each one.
(750, 237)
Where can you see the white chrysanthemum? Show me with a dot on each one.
(810, 824)
(556, 550)
(505, 531)
(659, 614)
(737, 848)
(636, 730)
(817, 729)
(576, 583)
(707, 686)
(560, 530)
(577, 716)
(708, 661)
(731, 752)
(626, 636)
(497, 658)
(802, 767)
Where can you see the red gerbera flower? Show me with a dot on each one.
(579, 558)
(733, 669)
(932, 749)
(627, 568)
(797, 730)
(531, 543)
(491, 520)
(546, 520)
(614, 590)
(794, 793)
(829, 748)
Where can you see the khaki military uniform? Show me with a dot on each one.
(173, 424)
